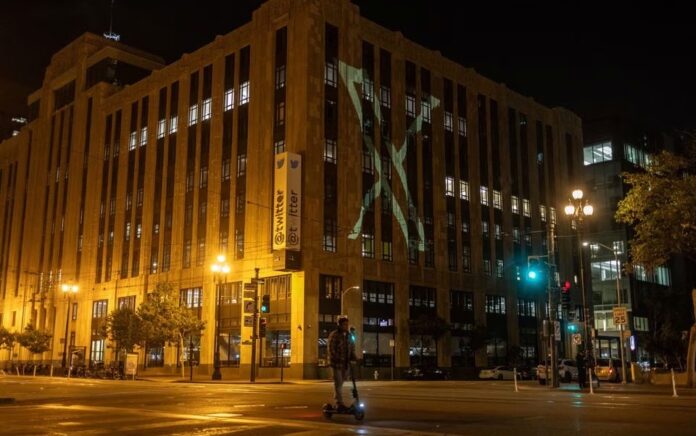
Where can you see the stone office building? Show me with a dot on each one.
(421, 182)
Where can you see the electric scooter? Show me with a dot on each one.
(357, 409)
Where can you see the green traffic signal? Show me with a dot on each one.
(532, 274)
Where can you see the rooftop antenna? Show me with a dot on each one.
(111, 34)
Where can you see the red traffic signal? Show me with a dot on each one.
(566, 287)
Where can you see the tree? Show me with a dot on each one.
(34, 340)
(164, 320)
(428, 325)
(123, 327)
(7, 340)
(661, 208)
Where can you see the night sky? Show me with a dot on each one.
(593, 59)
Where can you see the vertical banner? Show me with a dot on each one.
(287, 202)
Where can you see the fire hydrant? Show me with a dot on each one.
(376, 374)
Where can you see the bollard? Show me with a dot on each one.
(674, 385)
(589, 370)
(376, 374)
(51, 370)
(514, 376)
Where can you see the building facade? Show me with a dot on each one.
(613, 146)
(413, 178)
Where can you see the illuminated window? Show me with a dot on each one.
(173, 121)
(193, 114)
(484, 229)
(495, 304)
(449, 186)
(138, 231)
(516, 235)
(498, 232)
(425, 111)
(463, 190)
(331, 74)
(497, 199)
(410, 106)
(203, 178)
(279, 146)
(330, 234)
(465, 226)
(515, 204)
(484, 196)
(526, 210)
(330, 151)
(143, 136)
(368, 162)
(368, 89)
(640, 324)
(207, 109)
(161, 128)
(241, 165)
(597, 153)
(133, 141)
(499, 268)
(229, 100)
(127, 232)
(542, 212)
(368, 245)
(618, 247)
(636, 156)
(244, 93)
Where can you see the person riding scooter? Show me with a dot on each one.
(341, 354)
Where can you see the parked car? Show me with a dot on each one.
(608, 370)
(525, 373)
(425, 373)
(567, 371)
(497, 373)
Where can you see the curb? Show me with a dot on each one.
(7, 400)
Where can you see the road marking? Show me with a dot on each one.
(324, 427)
(291, 407)
(224, 415)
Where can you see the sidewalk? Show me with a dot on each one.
(606, 388)
(206, 379)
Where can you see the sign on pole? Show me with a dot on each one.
(249, 287)
(577, 338)
(131, 364)
(249, 306)
(620, 315)
(248, 321)
(249, 294)
(557, 330)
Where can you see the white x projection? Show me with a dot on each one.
(353, 79)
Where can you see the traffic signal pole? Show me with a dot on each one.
(551, 277)
(254, 331)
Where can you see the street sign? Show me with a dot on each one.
(248, 321)
(577, 339)
(620, 315)
(249, 287)
(250, 294)
(627, 334)
(258, 281)
(557, 330)
(249, 306)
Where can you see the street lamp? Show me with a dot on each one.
(344, 293)
(618, 298)
(577, 209)
(68, 290)
(220, 270)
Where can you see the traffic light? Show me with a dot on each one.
(534, 273)
(565, 295)
(262, 327)
(266, 303)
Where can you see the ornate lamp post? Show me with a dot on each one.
(578, 209)
(220, 270)
(68, 290)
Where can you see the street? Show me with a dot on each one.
(59, 406)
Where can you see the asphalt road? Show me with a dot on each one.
(59, 406)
